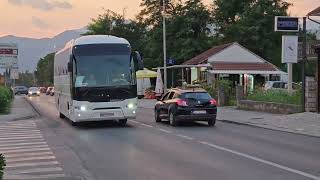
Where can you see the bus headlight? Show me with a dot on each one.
(83, 108)
(130, 105)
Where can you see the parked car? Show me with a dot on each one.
(33, 91)
(191, 104)
(49, 90)
(20, 90)
(52, 92)
(280, 85)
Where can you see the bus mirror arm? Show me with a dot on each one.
(140, 61)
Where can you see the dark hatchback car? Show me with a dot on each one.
(193, 104)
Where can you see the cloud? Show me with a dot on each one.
(45, 5)
(39, 23)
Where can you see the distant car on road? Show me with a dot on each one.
(49, 90)
(20, 90)
(33, 91)
(192, 104)
(52, 92)
(280, 85)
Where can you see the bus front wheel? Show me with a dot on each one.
(123, 122)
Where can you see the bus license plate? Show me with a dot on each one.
(106, 114)
(199, 112)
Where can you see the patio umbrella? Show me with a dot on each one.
(146, 73)
(159, 83)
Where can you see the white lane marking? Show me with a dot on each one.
(28, 154)
(24, 137)
(12, 160)
(36, 170)
(261, 160)
(22, 140)
(16, 177)
(163, 130)
(134, 121)
(17, 131)
(23, 147)
(25, 150)
(22, 144)
(146, 125)
(17, 128)
(20, 134)
(15, 165)
(186, 137)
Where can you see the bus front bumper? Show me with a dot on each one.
(101, 115)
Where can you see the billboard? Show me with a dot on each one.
(289, 49)
(8, 55)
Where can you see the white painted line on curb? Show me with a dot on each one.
(33, 154)
(166, 131)
(12, 160)
(15, 165)
(261, 160)
(18, 177)
(146, 125)
(185, 137)
(134, 121)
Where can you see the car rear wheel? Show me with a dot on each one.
(123, 122)
(211, 122)
(172, 119)
(157, 116)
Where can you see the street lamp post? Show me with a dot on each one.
(164, 46)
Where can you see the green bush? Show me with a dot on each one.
(2, 165)
(276, 96)
(211, 90)
(6, 97)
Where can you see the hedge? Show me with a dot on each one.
(2, 165)
(6, 97)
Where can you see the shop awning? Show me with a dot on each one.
(245, 72)
(146, 73)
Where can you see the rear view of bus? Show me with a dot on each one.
(95, 79)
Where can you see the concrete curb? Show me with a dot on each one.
(268, 127)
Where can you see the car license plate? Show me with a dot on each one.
(106, 114)
(199, 112)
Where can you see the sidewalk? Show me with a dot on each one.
(301, 123)
(20, 109)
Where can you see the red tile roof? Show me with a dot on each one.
(244, 66)
(203, 57)
(315, 12)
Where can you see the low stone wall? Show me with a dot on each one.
(311, 94)
(277, 108)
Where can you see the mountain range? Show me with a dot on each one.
(31, 49)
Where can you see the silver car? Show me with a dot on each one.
(33, 91)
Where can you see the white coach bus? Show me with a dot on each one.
(95, 79)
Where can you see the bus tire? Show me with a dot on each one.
(61, 116)
(123, 122)
(74, 123)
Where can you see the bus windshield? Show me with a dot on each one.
(101, 65)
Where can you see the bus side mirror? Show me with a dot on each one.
(70, 66)
(139, 60)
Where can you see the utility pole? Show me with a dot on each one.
(304, 59)
(164, 46)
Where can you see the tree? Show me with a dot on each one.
(251, 22)
(111, 23)
(44, 72)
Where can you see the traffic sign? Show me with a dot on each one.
(8, 55)
(286, 23)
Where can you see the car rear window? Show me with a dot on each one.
(195, 95)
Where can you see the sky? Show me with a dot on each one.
(46, 18)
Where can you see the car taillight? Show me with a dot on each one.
(213, 102)
(181, 102)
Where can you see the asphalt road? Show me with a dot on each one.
(156, 151)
